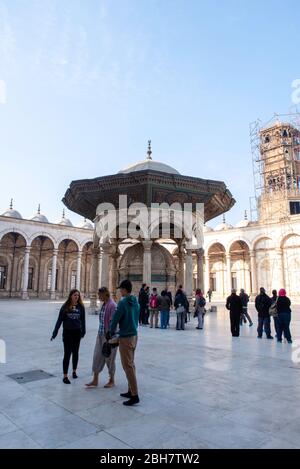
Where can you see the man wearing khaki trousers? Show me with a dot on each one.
(127, 316)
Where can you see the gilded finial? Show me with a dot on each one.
(11, 204)
(39, 209)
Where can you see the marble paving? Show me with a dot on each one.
(198, 389)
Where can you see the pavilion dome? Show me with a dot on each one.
(11, 212)
(86, 225)
(39, 216)
(149, 164)
(65, 221)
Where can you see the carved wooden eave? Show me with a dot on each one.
(148, 186)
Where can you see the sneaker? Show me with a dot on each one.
(126, 394)
(279, 340)
(270, 337)
(66, 380)
(259, 336)
(290, 341)
(251, 324)
(132, 401)
(74, 375)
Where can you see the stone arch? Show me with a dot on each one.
(13, 246)
(44, 234)
(14, 230)
(263, 242)
(67, 238)
(239, 239)
(286, 240)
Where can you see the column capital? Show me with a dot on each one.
(55, 251)
(27, 249)
(79, 254)
(252, 253)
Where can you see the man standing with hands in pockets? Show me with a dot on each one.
(127, 316)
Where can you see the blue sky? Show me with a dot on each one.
(89, 81)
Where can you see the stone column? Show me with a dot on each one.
(181, 260)
(253, 273)
(105, 253)
(94, 278)
(53, 275)
(200, 273)
(147, 244)
(189, 273)
(78, 270)
(228, 274)
(114, 269)
(206, 274)
(25, 274)
(279, 257)
(100, 268)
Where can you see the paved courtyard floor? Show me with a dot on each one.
(198, 389)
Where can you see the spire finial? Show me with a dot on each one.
(39, 209)
(224, 219)
(63, 214)
(149, 151)
(245, 215)
(11, 204)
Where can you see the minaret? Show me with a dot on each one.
(280, 172)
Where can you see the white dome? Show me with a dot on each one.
(39, 216)
(11, 213)
(207, 229)
(65, 222)
(86, 225)
(242, 223)
(223, 226)
(149, 164)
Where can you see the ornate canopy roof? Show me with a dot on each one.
(148, 186)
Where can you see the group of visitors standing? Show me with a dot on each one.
(125, 315)
(155, 304)
(277, 306)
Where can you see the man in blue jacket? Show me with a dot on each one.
(127, 316)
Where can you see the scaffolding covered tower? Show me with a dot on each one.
(276, 167)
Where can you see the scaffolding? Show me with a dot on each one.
(275, 148)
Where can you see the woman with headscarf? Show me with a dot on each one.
(283, 307)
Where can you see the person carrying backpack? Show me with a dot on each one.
(153, 308)
(200, 303)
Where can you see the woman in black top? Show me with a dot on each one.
(283, 307)
(72, 317)
(181, 306)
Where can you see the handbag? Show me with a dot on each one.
(273, 309)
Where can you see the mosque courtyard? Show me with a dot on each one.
(198, 389)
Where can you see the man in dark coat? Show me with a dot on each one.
(143, 302)
(235, 306)
(262, 305)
